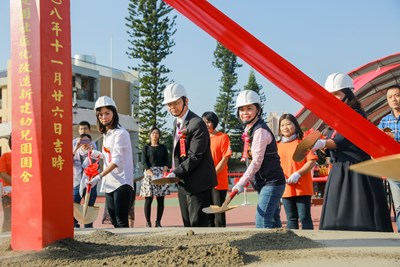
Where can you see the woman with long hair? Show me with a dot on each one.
(352, 201)
(117, 175)
(155, 163)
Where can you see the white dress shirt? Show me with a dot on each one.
(118, 142)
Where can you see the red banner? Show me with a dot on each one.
(42, 208)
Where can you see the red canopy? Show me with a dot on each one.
(370, 80)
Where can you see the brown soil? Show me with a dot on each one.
(257, 248)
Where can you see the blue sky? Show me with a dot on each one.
(317, 36)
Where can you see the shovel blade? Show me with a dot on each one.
(163, 181)
(305, 146)
(85, 217)
(217, 209)
(388, 166)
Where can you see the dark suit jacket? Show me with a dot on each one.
(196, 169)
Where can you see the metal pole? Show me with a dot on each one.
(111, 70)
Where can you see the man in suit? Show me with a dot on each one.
(191, 158)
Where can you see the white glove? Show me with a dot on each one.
(294, 178)
(94, 180)
(171, 175)
(238, 187)
(321, 143)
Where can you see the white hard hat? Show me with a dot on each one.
(104, 101)
(247, 97)
(337, 81)
(173, 92)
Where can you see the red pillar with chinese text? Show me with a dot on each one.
(41, 83)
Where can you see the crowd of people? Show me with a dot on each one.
(199, 161)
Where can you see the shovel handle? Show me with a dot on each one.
(233, 194)
(228, 200)
(89, 186)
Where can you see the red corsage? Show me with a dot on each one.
(245, 153)
(93, 168)
(182, 142)
(108, 152)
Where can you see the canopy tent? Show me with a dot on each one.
(370, 80)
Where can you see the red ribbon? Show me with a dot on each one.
(93, 168)
(166, 173)
(108, 152)
(245, 153)
(182, 143)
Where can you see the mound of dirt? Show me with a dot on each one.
(278, 247)
(102, 248)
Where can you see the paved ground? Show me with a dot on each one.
(241, 217)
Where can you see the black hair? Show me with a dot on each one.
(159, 132)
(293, 119)
(211, 117)
(352, 100)
(84, 123)
(392, 87)
(85, 135)
(114, 123)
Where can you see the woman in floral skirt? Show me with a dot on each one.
(155, 163)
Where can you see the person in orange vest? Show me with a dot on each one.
(221, 151)
(299, 186)
(5, 175)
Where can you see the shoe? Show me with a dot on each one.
(158, 224)
(148, 224)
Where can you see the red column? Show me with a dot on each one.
(287, 77)
(41, 83)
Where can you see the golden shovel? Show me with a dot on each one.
(305, 145)
(388, 166)
(84, 213)
(213, 209)
(165, 180)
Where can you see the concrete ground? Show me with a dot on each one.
(243, 216)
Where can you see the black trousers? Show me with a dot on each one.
(191, 208)
(218, 198)
(118, 204)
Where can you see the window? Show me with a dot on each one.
(85, 87)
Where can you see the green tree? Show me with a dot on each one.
(253, 85)
(227, 63)
(150, 36)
